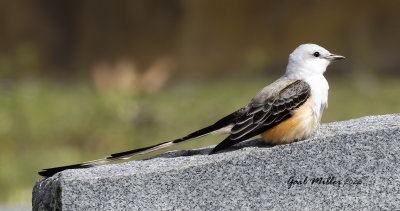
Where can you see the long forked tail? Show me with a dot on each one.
(223, 126)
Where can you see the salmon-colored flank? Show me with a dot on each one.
(302, 124)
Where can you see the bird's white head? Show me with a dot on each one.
(309, 59)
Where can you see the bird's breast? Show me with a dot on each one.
(319, 92)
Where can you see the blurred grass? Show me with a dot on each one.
(45, 124)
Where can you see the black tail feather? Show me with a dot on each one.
(132, 153)
(51, 171)
(225, 144)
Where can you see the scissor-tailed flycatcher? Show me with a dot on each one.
(287, 110)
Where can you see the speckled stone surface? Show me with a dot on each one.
(348, 165)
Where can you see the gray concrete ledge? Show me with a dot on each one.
(347, 165)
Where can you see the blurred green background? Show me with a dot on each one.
(82, 79)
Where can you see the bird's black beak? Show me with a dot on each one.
(332, 57)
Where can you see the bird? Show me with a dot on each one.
(287, 110)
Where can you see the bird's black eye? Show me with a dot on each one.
(316, 54)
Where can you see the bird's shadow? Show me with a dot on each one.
(259, 143)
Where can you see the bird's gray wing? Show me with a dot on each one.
(268, 108)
